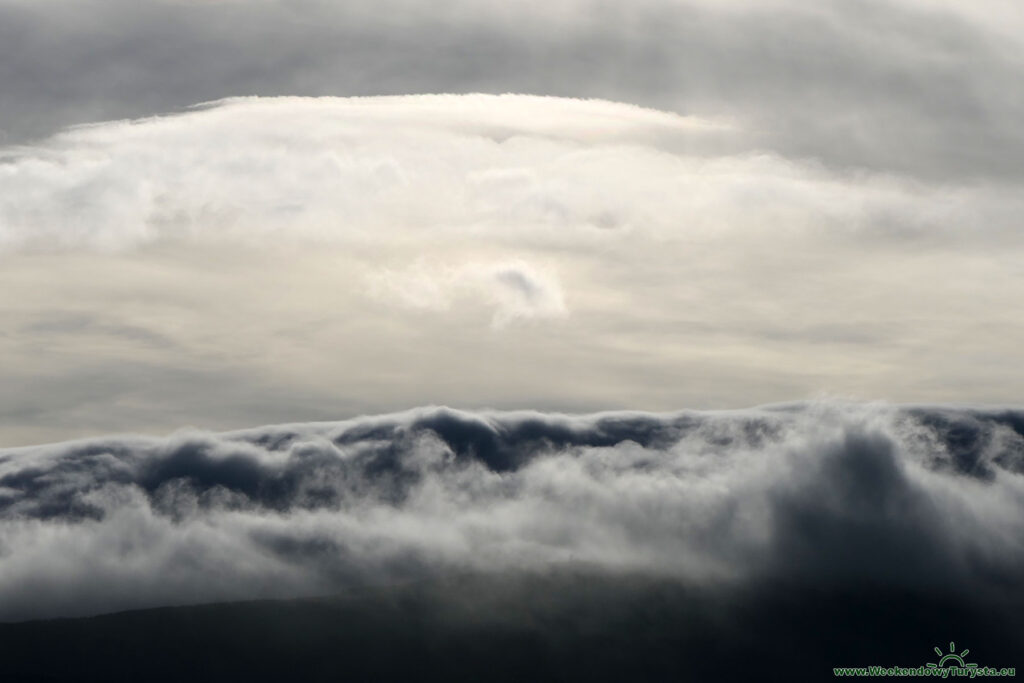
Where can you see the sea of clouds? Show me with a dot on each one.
(828, 495)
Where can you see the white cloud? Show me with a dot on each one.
(325, 169)
(514, 290)
(475, 250)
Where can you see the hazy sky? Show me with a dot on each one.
(762, 202)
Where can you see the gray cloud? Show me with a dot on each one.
(83, 324)
(837, 495)
(904, 86)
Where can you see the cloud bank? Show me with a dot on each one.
(828, 495)
(265, 260)
(900, 85)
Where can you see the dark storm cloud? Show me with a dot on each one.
(890, 85)
(838, 496)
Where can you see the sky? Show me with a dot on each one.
(302, 296)
(226, 214)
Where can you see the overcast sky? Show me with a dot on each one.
(305, 297)
(761, 201)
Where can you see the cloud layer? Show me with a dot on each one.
(834, 495)
(265, 260)
(925, 88)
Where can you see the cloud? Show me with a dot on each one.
(833, 494)
(515, 290)
(499, 169)
(920, 88)
(325, 169)
(470, 250)
(800, 201)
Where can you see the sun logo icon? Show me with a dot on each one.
(951, 658)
